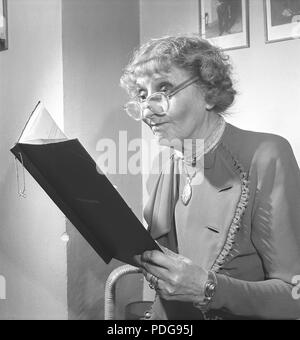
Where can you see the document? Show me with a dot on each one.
(72, 179)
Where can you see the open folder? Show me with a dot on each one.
(71, 178)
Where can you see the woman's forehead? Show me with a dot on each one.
(174, 74)
(146, 79)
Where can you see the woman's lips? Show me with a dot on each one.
(157, 127)
(156, 124)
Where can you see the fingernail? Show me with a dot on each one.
(137, 259)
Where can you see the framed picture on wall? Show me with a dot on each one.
(225, 23)
(3, 25)
(282, 20)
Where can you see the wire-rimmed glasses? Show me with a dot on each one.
(158, 102)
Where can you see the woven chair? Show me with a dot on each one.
(134, 310)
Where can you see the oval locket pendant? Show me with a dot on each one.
(186, 193)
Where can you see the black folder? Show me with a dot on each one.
(72, 179)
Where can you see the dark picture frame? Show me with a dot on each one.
(3, 25)
(225, 23)
(282, 20)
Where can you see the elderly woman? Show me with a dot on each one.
(229, 220)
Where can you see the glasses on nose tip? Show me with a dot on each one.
(158, 103)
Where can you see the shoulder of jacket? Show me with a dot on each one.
(273, 147)
(260, 144)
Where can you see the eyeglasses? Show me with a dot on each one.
(158, 102)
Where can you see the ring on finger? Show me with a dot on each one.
(153, 282)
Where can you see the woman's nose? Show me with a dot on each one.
(146, 110)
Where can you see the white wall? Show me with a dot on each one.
(32, 255)
(268, 79)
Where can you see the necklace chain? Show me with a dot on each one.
(209, 144)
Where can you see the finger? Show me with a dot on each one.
(174, 256)
(158, 258)
(167, 250)
(137, 260)
(154, 281)
(147, 275)
(149, 270)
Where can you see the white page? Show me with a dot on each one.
(41, 128)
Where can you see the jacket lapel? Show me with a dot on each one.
(216, 205)
(159, 210)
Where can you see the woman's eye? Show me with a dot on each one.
(142, 96)
(165, 88)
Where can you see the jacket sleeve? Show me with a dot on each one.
(276, 237)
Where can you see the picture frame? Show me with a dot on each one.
(3, 25)
(282, 20)
(225, 23)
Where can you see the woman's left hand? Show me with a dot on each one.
(178, 278)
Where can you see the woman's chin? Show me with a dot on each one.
(163, 140)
